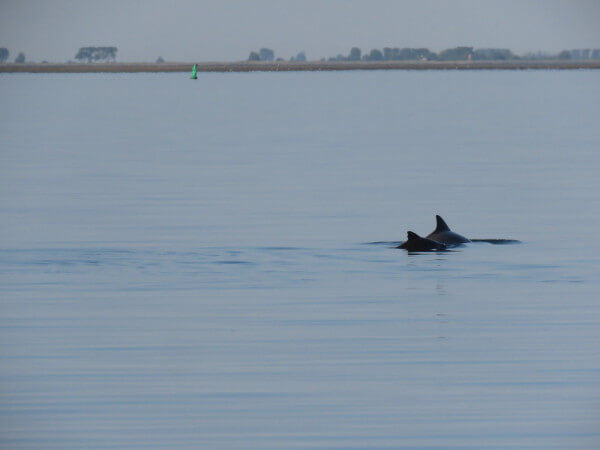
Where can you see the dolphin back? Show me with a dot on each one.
(416, 243)
(445, 235)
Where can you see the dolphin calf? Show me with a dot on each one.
(416, 243)
(445, 235)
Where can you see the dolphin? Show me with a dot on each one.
(445, 235)
(416, 243)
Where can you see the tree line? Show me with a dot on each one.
(109, 54)
(459, 54)
(85, 54)
(462, 53)
(95, 54)
(4, 54)
(424, 54)
(267, 54)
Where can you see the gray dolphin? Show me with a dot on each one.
(416, 243)
(445, 235)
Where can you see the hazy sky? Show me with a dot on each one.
(222, 30)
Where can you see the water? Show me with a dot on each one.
(184, 264)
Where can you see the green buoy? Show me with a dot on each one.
(194, 70)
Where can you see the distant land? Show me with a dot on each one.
(104, 59)
(286, 66)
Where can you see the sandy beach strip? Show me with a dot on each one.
(286, 66)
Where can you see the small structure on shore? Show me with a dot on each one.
(194, 71)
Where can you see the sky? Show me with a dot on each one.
(228, 30)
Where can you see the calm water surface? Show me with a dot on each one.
(185, 264)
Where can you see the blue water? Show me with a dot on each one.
(185, 264)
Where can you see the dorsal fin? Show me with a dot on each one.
(440, 225)
(412, 236)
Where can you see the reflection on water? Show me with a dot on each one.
(199, 280)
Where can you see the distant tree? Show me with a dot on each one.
(94, 54)
(456, 54)
(539, 55)
(301, 56)
(4, 53)
(403, 54)
(493, 54)
(160, 60)
(254, 56)
(375, 55)
(354, 54)
(266, 54)
(565, 54)
(85, 53)
(111, 52)
(420, 53)
(407, 54)
(20, 59)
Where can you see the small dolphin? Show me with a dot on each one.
(416, 243)
(443, 234)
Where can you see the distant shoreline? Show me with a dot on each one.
(287, 66)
